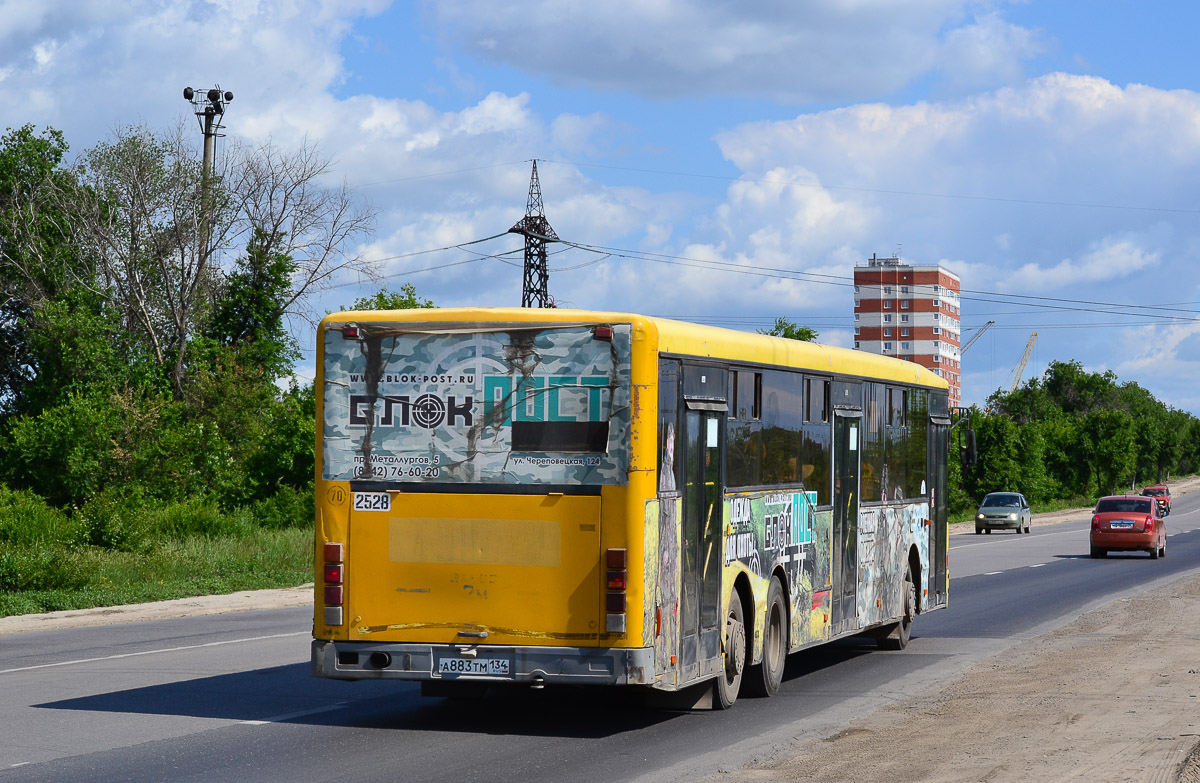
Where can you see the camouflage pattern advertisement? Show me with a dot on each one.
(426, 403)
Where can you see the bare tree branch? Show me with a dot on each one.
(281, 195)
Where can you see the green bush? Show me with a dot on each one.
(288, 507)
(27, 520)
(65, 449)
(117, 520)
(40, 568)
(200, 517)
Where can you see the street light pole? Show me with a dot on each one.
(210, 112)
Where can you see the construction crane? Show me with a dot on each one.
(1024, 360)
(975, 337)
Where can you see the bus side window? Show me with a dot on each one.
(668, 418)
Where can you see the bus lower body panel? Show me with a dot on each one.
(342, 660)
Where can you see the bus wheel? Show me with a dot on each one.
(764, 679)
(897, 637)
(729, 681)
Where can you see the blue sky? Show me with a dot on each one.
(1046, 152)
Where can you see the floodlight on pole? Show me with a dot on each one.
(209, 107)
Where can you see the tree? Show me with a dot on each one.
(1076, 391)
(282, 202)
(37, 260)
(142, 214)
(1109, 436)
(383, 299)
(789, 329)
(139, 215)
(249, 308)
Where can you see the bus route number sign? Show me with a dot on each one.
(372, 501)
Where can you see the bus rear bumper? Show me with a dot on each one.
(340, 660)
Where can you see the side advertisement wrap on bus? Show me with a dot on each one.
(772, 529)
(885, 533)
(536, 405)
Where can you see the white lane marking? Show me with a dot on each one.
(341, 705)
(19, 764)
(1037, 565)
(993, 573)
(155, 652)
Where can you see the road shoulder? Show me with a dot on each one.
(1113, 695)
(245, 601)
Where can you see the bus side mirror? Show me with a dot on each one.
(968, 452)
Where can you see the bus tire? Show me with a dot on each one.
(729, 681)
(897, 636)
(764, 679)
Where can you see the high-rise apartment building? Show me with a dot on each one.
(910, 312)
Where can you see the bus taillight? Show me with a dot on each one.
(334, 589)
(614, 603)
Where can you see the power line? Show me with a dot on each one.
(1025, 301)
(816, 277)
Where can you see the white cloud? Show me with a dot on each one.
(788, 51)
(126, 62)
(573, 133)
(495, 113)
(1112, 259)
(986, 53)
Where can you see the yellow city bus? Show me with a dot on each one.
(543, 496)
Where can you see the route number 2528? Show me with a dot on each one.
(372, 501)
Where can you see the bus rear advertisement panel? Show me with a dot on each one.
(516, 405)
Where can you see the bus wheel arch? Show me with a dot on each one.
(736, 645)
(914, 568)
(897, 634)
(765, 677)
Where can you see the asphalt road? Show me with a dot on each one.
(229, 697)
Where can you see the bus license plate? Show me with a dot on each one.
(485, 666)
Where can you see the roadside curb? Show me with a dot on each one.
(247, 600)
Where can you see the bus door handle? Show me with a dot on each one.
(474, 634)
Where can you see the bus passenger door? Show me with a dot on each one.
(846, 439)
(939, 448)
(701, 555)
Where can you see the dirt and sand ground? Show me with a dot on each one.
(1112, 696)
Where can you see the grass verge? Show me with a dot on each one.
(85, 577)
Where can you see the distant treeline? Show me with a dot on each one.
(1072, 435)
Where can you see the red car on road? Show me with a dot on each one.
(1128, 522)
(1162, 494)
